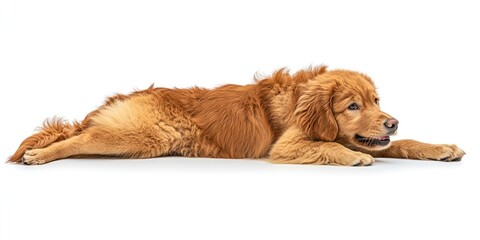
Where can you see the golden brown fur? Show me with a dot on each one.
(313, 116)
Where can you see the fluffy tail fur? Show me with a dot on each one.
(53, 130)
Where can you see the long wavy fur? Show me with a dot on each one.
(53, 130)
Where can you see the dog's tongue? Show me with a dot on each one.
(384, 138)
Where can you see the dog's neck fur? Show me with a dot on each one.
(280, 94)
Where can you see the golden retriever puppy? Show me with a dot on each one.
(314, 116)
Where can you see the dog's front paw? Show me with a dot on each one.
(443, 152)
(353, 158)
(451, 153)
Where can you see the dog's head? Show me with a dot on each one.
(343, 106)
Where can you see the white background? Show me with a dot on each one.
(64, 57)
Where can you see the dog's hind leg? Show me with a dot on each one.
(91, 143)
(138, 127)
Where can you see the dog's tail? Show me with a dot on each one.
(53, 130)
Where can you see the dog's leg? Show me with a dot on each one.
(417, 150)
(76, 145)
(95, 144)
(294, 147)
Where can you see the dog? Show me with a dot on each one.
(315, 116)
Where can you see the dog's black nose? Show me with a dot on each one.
(391, 124)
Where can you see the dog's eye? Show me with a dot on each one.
(353, 106)
(377, 101)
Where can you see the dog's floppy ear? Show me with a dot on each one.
(314, 112)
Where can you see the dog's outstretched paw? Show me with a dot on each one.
(445, 153)
(34, 157)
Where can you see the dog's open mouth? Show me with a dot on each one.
(373, 141)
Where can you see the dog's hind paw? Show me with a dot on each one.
(34, 157)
